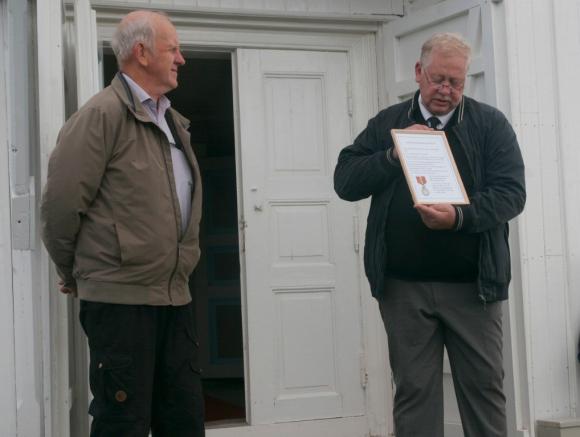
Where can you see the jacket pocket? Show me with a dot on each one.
(97, 250)
(138, 249)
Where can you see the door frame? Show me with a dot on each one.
(357, 38)
(54, 307)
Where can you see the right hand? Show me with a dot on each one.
(412, 127)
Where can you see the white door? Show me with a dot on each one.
(404, 37)
(304, 348)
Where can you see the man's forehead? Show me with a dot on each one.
(166, 32)
(447, 55)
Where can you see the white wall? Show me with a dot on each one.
(543, 53)
(22, 395)
(7, 375)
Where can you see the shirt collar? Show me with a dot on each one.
(163, 104)
(444, 119)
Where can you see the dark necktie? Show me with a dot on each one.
(433, 122)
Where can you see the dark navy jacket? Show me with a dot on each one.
(494, 160)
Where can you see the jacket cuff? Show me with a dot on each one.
(463, 217)
(66, 276)
(391, 159)
(458, 218)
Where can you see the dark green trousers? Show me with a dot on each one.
(421, 318)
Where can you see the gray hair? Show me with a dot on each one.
(448, 43)
(137, 27)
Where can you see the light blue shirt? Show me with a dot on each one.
(181, 170)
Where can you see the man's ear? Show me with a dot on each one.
(140, 53)
(418, 71)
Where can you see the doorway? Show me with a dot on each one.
(205, 97)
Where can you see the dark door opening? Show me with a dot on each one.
(205, 97)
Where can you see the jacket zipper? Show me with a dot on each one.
(172, 274)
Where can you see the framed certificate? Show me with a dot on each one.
(429, 167)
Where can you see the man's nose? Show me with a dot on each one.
(445, 87)
(179, 59)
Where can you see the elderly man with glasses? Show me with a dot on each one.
(440, 272)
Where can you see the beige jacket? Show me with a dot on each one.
(110, 213)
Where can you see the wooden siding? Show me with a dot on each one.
(7, 360)
(543, 55)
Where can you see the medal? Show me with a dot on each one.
(422, 180)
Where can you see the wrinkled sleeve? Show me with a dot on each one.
(75, 169)
(504, 192)
(363, 168)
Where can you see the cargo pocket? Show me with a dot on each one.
(112, 380)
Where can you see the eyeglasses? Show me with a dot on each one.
(438, 82)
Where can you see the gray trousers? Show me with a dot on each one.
(420, 319)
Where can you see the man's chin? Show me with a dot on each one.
(171, 86)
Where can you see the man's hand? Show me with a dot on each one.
(418, 127)
(437, 217)
(67, 288)
(413, 127)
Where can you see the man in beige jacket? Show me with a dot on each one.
(120, 219)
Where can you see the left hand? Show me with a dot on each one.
(437, 217)
(67, 288)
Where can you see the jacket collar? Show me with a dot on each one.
(123, 91)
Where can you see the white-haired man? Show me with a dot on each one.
(120, 219)
(440, 272)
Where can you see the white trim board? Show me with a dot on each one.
(7, 371)
(54, 308)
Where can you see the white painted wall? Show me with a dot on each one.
(25, 243)
(543, 58)
(7, 371)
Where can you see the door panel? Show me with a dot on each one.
(303, 299)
